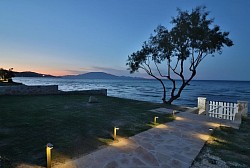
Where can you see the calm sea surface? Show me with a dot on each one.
(150, 90)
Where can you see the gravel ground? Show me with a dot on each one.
(206, 160)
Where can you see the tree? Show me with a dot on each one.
(179, 50)
(6, 75)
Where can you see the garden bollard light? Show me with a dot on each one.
(220, 120)
(49, 146)
(174, 111)
(155, 120)
(115, 129)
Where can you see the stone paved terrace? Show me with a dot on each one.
(174, 144)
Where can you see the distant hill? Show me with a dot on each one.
(31, 74)
(90, 75)
(98, 75)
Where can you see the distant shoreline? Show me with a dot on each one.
(103, 75)
(135, 78)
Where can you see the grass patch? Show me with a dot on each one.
(69, 122)
(231, 145)
(106, 141)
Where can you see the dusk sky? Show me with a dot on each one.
(62, 37)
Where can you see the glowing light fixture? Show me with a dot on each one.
(155, 120)
(174, 111)
(49, 146)
(115, 129)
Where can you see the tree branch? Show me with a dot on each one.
(159, 71)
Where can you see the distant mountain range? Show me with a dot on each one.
(90, 75)
(31, 74)
(98, 75)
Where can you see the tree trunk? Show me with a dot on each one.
(163, 86)
(171, 99)
(184, 84)
(164, 90)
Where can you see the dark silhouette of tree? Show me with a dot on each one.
(182, 48)
(6, 75)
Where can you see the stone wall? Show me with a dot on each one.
(86, 92)
(44, 90)
(28, 90)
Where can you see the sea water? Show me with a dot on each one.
(151, 90)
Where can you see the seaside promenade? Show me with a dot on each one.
(174, 144)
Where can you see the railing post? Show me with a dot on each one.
(243, 108)
(202, 105)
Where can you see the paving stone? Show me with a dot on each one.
(148, 146)
(174, 144)
(193, 153)
(112, 164)
(178, 164)
(137, 162)
(146, 156)
(163, 159)
(124, 161)
(183, 158)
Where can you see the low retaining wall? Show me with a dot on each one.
(28, 90)
(45, 90)
(86, 92)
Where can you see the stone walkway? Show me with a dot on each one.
(174, 144)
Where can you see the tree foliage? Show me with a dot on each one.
(6, 75)
(182, 48)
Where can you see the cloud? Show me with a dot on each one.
(111, 70)
(74, 72)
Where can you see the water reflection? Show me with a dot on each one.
(150, 90)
